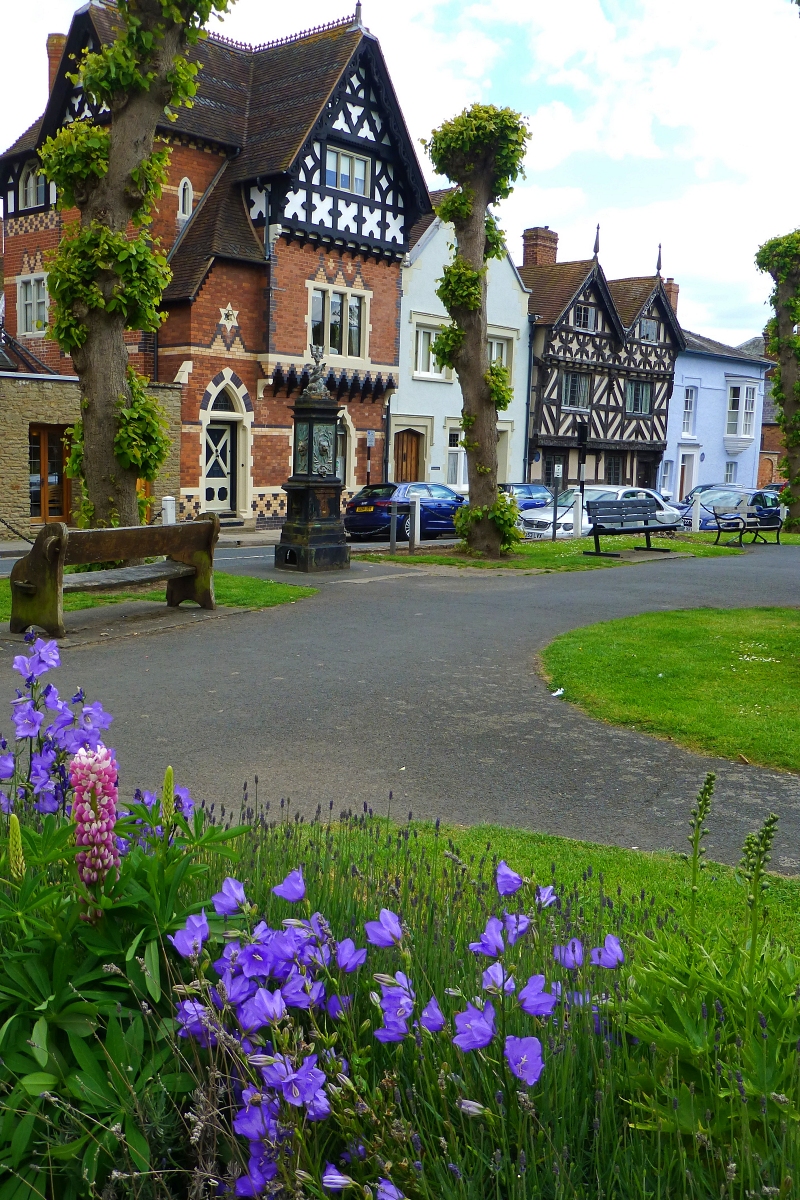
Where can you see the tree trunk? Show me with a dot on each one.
(790, 386)
(472, 363)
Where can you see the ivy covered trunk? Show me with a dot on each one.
(107, 274)
(780, 257)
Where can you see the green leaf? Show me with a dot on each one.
(137, 1145)
(129, 953)
(39, 1042)
(153, 970)
(38, 1082)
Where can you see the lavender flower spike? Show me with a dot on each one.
(230, 899)
(386, 931)
(293, 887)
(524, 1057)
(334, 1180)
(508, 881)
(432, 1017)
(569, 956)
(475, 1028)
(610, 955)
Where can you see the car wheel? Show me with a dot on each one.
(404, 529)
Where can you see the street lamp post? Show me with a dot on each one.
(313, 537)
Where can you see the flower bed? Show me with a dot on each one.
(190, 1008)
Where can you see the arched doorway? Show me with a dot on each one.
(407, 446)
(219, 457)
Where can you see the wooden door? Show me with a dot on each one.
(407, 443)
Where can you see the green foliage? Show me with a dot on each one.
(481, 134)
(456, 205)
(500, 388)
(503, 513)
(95, 268)
(495, 239)
(76, 153)
(142, 443)
(780, 258)
(461, 286)
(449, 341)
(697, 832)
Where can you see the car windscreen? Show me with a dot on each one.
(568, 497)
(377, 491)
(714, 498)
(530, 490)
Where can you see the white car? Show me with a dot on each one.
(537, 524)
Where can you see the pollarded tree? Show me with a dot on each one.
(481, 151)
(108, 275)
(780, 258)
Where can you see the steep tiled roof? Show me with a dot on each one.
(26, 140)
(699, 344)
(754, 345)
(417, 230)
(552, 286)
(631, 295)
(219, 228)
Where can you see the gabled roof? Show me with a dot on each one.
(696, 343)
(218, 228)
(26, 143)
(554, 287)
(636, 293)
(425, 222)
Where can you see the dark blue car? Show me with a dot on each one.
(369, 513)
(528, 495)
(726, 496)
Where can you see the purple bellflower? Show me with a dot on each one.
(6, 766)
(491, 940)
(496, 980)
(231, 898)
(293, 887)
(475, 1028)
(334, 1180)
(337, 1005)
(347, 957)
(261, 1170)
(545, 896)
(515, 926)
(508, 881)
(534, 1000)
(569, 956)
(432, 1017)
(609, 955)
(386, 931)
(27, 721)
(388, 1191)
(301, 1085)
(189, 940)
(524, 1057)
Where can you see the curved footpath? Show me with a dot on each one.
(425, 684)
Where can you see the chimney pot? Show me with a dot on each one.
(55, 51)
(539, 246)
(672, 289)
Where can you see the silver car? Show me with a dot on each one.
(538, 525)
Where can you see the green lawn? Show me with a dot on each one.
(718, 680)
(566, 555)
(232, 591)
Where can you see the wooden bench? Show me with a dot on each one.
(613, 517)
(747, 519)
(38, 582)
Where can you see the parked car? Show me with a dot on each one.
(528, 495)
(700, 487)
(775, 487)
(540, 526)
(369, 513)
(729, 497)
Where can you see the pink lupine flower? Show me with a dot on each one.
(93, 774)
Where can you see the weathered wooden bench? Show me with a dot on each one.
(747, 519)
(608, 518)
(38, 582)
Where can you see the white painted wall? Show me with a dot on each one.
(432, 406)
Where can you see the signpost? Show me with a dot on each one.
(370, 444)
(557, 468)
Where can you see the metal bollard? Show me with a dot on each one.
(696, 513)
(167, 510)
(577, 516)
(393, 529)
(413, 537)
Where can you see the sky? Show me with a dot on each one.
(671, 122)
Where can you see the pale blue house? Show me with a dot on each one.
(714, 424)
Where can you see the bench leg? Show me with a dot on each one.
(37, 582)
(649, 546)
(199, 588)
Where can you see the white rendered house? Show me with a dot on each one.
(425, 411)
(714, 428)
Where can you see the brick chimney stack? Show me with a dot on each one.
(672, 289)
(539, 246)
(55, 50)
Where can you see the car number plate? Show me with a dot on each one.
(529, 537)
(366, 508)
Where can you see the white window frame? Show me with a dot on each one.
(689, 411)
(185, 191)
(666, 476)
(630, 398)
(586, 382)
(425, 365)
(32, 170)
(500, 347)
(648, 321)
(455, 456)
(346, 293)
(730, 472)
(340, 154)
(590, 310)
(743, 416)
(34, 282)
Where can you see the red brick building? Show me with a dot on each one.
(292, 189)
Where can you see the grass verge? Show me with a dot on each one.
(726, 681)
(566, 555)
(232, 591)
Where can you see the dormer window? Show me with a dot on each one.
(32, 187)
(648, 330)
(185, 199)
(586, 317)
(347, 172)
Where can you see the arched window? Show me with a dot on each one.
(32, 188)
(185, 199)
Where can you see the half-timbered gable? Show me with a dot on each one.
(603, 357)
(293, 186)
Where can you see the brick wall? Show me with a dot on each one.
(27, 400)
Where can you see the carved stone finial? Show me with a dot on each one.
(597, 242)
(658, 264)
